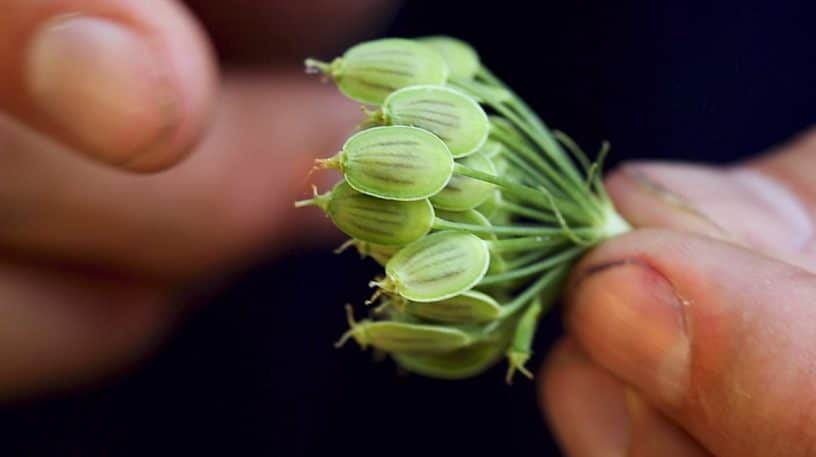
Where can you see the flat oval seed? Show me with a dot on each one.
(461, 58)
(502, 124)
(491, 148)
(469, 307)
(459, 364)
(369, 71)
(454, 117)
(497, 264)
(463, 193)
(500, 164)
(471, 217)
(414, 338)
(396, 163)
(490, 206)
(501, 217)
(376, 220)
(439, 266)
(381, 253)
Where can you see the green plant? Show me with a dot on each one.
(476, 218)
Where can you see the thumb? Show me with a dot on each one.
(127, 83)
(718, 338)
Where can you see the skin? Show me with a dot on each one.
(692, 335)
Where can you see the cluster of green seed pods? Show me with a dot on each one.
(473, 207)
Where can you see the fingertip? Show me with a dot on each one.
(128, 84)
(192, 67)
(627, 314)
(584, 404)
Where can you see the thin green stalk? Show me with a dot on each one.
(519, 163)
(535, 196)
(525, 244)
(511, 230)
(597, 182)
(530, 213)
(559, 157)
(556, 176)
(525, 259)
(551, 279)
(573, 148)
(573, 190)
(523, 151)
(545, 139)
(535, 268)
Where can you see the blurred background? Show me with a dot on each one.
(252, 371)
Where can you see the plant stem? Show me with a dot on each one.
(530, 270)
(524, 260)
(545, 138)
(530, 213)
(532, 195)
(551, 278)
(512, 230)
(525, 244)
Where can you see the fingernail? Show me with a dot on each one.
(747, 206)
(631, 313)
(647, 178)
(103, 84)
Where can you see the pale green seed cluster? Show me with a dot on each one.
(477, 218)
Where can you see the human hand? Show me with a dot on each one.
(95, 258)
(684, 344)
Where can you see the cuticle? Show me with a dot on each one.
(593, 270)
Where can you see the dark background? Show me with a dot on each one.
(253, 372)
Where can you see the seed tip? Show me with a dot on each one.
(314, 66)
(377, 293)
(352, 331)
(331, 162)
(516, 361)
(346, 244)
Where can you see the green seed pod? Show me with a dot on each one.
(471, 217)
(498, 264)
(394, 163)
(462, 363)
(381, 253)
(521, 348)
(461, 58)
(459, 364)
(469, 307)
(439, 266)
(501, 165)
(491, 149)
(373, 219)
(454, 117)
(463, 193)
(369, 71)
(394, 336)
(502, 125)
(501, 217)
(492, 205)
